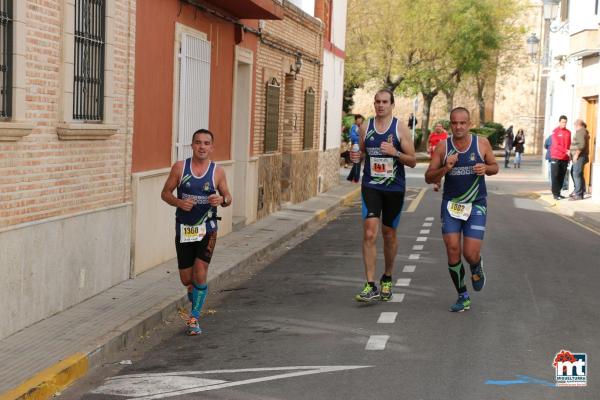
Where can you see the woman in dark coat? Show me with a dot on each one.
(519, 144)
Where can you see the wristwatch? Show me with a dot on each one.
(398, 153)
(224, 202)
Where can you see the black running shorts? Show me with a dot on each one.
(188, 252)
(384, 204)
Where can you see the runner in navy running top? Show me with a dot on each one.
(388, 147)
(197, 180)
(463, 160)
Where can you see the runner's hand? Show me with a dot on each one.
(451, 161)
(388, 149)
(215, 200)
(479, 169)
(187, 204)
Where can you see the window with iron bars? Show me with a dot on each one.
(88, 88)
(6, 38)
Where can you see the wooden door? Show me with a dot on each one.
(591, 119)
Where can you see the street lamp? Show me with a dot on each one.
(533, 44)
(550, 9)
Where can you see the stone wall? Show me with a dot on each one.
(329, 169)
(302, 181)
(269, 184)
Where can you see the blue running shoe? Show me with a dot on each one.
(369, 293)
(193, 328)
(478, 277)
(462, 303)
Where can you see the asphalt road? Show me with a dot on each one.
(289, 328)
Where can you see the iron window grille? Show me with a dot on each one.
(272, 115)
(6, 39)
(88, 88)
(309, 118)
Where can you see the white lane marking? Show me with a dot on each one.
(415, 203)
(403, 282)
(397, 298)
(387, 318)
(409, 268)
(414, 256)
(427, 224)
(424, 232)
(418, 247)
(422, 239)
(429, 219)
(377, 342)
(170, 384)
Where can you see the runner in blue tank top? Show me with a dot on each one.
(388, 147)
(463, 160)
(197, 180)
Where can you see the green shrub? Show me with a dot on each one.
(484, 132)
(418, 137)
(497, 138)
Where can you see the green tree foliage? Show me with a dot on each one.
(425, 46)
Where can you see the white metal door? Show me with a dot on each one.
(194, 91)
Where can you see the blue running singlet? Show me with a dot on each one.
(383, 172)
(462, 184)
(197, 188)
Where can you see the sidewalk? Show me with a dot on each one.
(585, 212)
(51, 354)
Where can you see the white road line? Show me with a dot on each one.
(415, 203)
(424, 232)
(427, 224)
(397, 298)
(377, 342)
(422, 239)
(409, 268)
(418, 247)
(429, 219)
(387, 318)
(414, 256)
(403, 282)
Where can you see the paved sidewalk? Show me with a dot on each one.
(42, 359)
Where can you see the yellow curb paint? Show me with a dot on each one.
(51, 380)
(321, 215)
(415, 203)
(350, 197)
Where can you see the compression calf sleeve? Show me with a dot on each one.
(198, 296)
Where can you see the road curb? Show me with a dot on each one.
(62, 374)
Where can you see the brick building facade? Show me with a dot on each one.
(288, 168)
(65, 192)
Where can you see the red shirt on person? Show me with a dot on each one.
(561, 143)
(435, 138)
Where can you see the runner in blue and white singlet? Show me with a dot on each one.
(463, 160)
(382, 171)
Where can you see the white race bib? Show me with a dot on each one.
(191, 233)
(459, 210)
(382, 167)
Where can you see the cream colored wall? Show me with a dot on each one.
(153, 222)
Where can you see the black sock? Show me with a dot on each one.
(372, 284)
(386, 278)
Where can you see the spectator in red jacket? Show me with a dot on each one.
(559, 156)
(436, 136)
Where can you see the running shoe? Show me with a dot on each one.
(386, 290)
(369, 293)
(193, 328)
(478, 277)
(462, 303)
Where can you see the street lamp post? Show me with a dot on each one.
(533, 45)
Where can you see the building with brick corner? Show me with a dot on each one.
(195, 69)
(333, 15)
(66, 121)
(287, 108)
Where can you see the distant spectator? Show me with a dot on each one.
(508, 145)
(547, 144)
(579, 156)
(438, 134)
(559, 154)
(519, 144)
(412, 121)
(354, 130)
